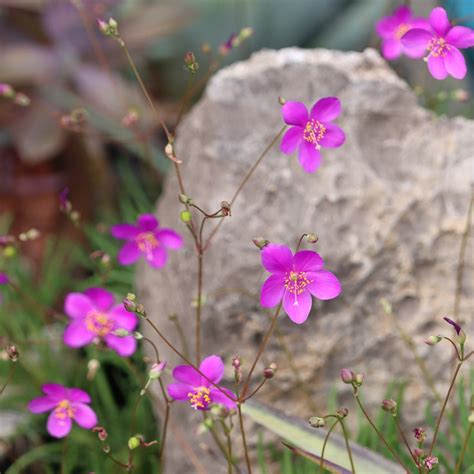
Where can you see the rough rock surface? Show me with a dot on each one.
(389, 208)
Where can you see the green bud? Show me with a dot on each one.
(433, 340)
(390, 406)
(185, 199)
(185, 216)
(134, 442)
(312, 238)
(317, 422)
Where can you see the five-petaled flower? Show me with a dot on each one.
(192, 387)
(310, 132)
(148, 239)
(442, 43)
(66, 405)
(95, 315)
(392, 28)
(295, 278)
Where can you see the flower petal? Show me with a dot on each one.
(439, 21)
(277, 258)
(297, 308)
(461, 37)
(437, 68)
(169, 238)
(77, 335)
(123, 318)
(157, 258)
(124, 231)
(129, 253)
(101, 298)
(78, 395)
(54, 390)
(415, 41)
(291, 139)
(309, 157)
(123, 346)
(334, 136)
(42, 404)
(77, 305)
(58, 427)
(386, 27)
(148, 222)
(187, 375)
(455, 64)
(295, 113)
(307, 261)
(179, 391)
(84, 416)
(324, 286)
(213, 368)
(272, 291)
(391, 49)
(402, 14)
(326, 109)
(218, 397)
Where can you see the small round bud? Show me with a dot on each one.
(12, 352)
(260, 242)
(140, 310)
(347, 376)
(129, 305)
(191, 63)
(157, 370)
(359, 379)
(281, 100)
(342, 412)
(317, 422)
(433, 340)
(185, 216)
(390, 406)
(6, 91)
(245, 33)
(106, 448)
(225, 208)
(101, 432)
(9, 251)
(236, 362)
(134, 442)
(418, 452)
(269, 372)
(183, 199)
(312, 238)
(137, 335)
(22, 100)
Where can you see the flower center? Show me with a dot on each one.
(314, 132)
(200, 398)
(146, 242)
(438, 47)
(295, 283)
(99, 323)
(64, 410)
(401, 30)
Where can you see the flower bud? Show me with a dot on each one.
(31, 234)
(157, 370)
(260, 242)
(191, 63)
(269, 372)
(390, 406)
(129, 305)
(225, 208)
(130, 118)
(140, 310)
(106, 448)
(137, 335)
(108, 28)
(6, 91)
(4, 280)
(237, 369)
(359, 379)
(183, 199)
(120, 332)
(418, 452)
(312, 238)
(433, 340)
(185, 216)
(245, 33)
(281, 100)
(420, 434)
(317, 422)
(9, 251)
(101, 432)
(347, 376)
(134, 442)
(93, 366)
(22, 99)
(342, 412)
(12, 352)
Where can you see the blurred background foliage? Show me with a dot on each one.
(52, 51)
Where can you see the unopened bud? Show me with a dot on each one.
(390, 406)
(237, 369)
(137, 335)
(281, 100)
(245, 33)
(140, 310)
(260, 242)
(418, 452)
(120, 332)
(6, 91)
(236, 362)
(225, 208)
(185, 216)
(108, 28)
(12, 352)
(347, 376)
(359, 379)
(157, 370)
(106, 448)
(185, 199)
(134, 442)
(191, 63)
(433, 340)
(101, 432)
(312, 238)
(461, 337)
(31, 234)
(22, 100)
(317, 422)
(342, 412)
(129, 305)
(92, 367)
(269, 372)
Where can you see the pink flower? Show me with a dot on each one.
(66, 405)
(94, 314)
(147, 239)
(197, 390)
(442, 42)
(420, 434)
(4, 280)
(430, 462)
(392, 28)
(295, 278)
(310, 132)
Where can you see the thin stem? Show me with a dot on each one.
(443, 408)
(11, 371)
(165, 430)
(407, 444)
(174, 318)
(259, 386)
(132, 431)
(229, 446)
(244, 181)
(348, 447)
(244, 440)
(455, 347)
(184, 100)
(261, 349)
(326, 439)
(380, 435)
(464, 449)
(64, 456)
(198, 309)
(116, 461)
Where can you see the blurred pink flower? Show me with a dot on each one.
(192, 387)
(442, 43)
(148, 239)
(94, 314)
(295, 278)
(310, 132)
(66, 405)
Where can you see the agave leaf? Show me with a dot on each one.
(302, 436)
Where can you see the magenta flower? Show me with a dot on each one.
(442, 43)
(392, 28)
(191, 386)
(295, 278)
(95, 315)
(310, 132)
(454, 324)
(148, 239)
(430, 462)
(4, 280)
(66, 405)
